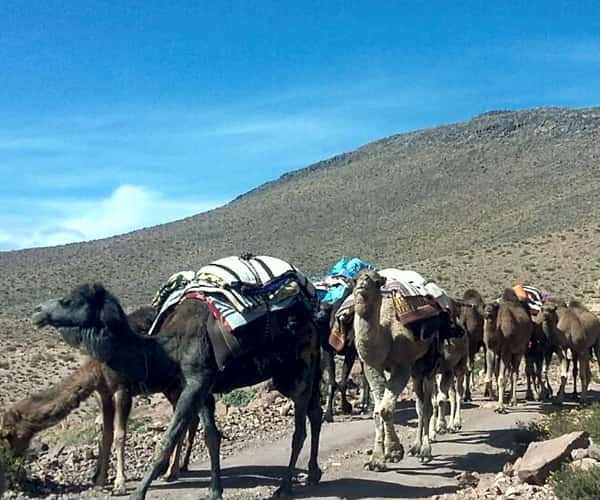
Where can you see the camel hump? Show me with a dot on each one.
(473, 296)
(509, 295)
(578, 305)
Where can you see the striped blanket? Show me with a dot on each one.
(532, 296)
(238, 290)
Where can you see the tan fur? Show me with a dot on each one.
(571, 327)
(386, 346)
(506, 334)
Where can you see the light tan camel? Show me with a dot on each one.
(391, 353)
(506, 333)
(571, 327)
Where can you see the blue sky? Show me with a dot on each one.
(120, 115)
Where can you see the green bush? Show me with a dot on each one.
(565, 421)
(239, 397)
(12, 466)
(569, 484)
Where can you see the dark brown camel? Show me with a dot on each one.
(326, 322)
(470, 317)
(282, 345)
(46, 408)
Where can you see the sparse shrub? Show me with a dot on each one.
(239, 397)
(569, 484)
(12, 466)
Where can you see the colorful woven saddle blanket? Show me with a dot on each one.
(339, 279)
(238, 290)
(414, 297)
(415, 300)
(531, 296)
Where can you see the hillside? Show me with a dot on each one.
(501, 197)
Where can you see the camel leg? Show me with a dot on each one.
(212, 439)
(445, 382)
(423, 386)
(564, 370)
(399, 376)
(377, 384)
(546, 369)
(123, 405)
(349, 359)
(193, 428)
(189, 403)
(515, 365)
(584, 373)
(469, 376)
(300, 413)
(330, 367)
(108, 417)
(315, 416)
(575, 374)
(489, 374)
(366, 391)
(456, 396)
(502, 373)
(434, 416)
(530, 375)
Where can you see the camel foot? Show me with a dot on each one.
(414, 450)
(314, 476)
(99, 478)
(529, 396)
(137, 495)
(394, 452)
(119, 490)
(214, 494)
(377, 463)
(170, 477)
(283, 492)
(328, 416)
(426, 458)
(346, 408)
(501, 410)
(468, 398)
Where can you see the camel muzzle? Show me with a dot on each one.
(39, 317)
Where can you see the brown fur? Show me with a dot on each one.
(574, 328)
(506, 334)
(44, 409)
(471, 319)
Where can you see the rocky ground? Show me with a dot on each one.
(62, 459)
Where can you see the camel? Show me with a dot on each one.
(570, 327)
(282, 345)
(327, 323)
(450, 377)
(507, 330)
(387, 347)
(537, 362)
(471, 319)
(46, 408)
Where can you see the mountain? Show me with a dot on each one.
(505, 196)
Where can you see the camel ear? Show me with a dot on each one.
(111, 313)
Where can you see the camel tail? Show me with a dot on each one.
(596, 349)
(48, 407)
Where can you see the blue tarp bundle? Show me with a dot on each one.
(347, 269)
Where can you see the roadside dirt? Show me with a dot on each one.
(485, 444)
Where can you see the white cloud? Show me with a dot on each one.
(128, 207)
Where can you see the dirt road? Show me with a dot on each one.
(484, 446)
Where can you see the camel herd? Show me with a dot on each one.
(435, 351)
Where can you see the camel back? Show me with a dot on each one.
(237, 292)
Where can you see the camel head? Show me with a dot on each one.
(367, 290)
(547, 314)
(14, 431)
(89, 317)
(490, 311)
